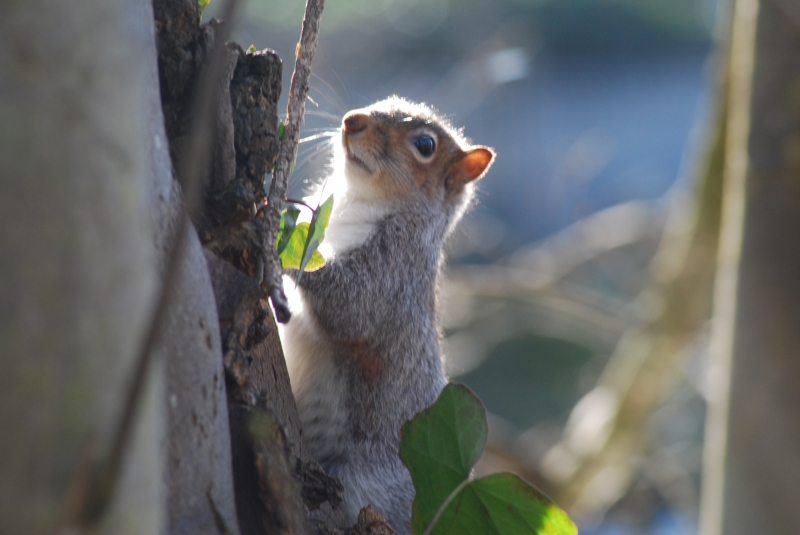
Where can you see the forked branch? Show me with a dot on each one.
(295, 112)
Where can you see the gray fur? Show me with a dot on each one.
(383, 293)
(363, 346)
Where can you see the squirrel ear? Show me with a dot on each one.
(472, 166)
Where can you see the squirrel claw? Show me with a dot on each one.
(280, 305)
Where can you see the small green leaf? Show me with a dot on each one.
(287, 226)
(316, 233)
(281, 129)
(203, 4)
(292, 255)
(439, 447)
(316, 262)
(251, 49)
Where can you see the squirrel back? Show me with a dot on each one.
(363, 346)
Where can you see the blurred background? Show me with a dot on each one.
(599, 112)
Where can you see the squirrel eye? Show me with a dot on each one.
(425, 145)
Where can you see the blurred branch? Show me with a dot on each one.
(295, 112)
(530, 290)
(604, 231)
(606, 435)
(597, 457)
(535, 268)
(572, 312)
(733, 176)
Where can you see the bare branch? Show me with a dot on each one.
(294, 119)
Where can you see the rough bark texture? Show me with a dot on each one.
(251, 340)
(181, 53)
(258, 384)
(761, 467)
(270, 469)
(255, 86)
(270, 499)
(232, 225)
(77, 266)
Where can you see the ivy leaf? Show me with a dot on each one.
(286, 229)
(316, 233)
(439, 447)
(292, 255)
(503, 504)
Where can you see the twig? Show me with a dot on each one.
(288, 151)
(94, 498)
(263, 205)
(302, 203)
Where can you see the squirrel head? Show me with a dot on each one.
(398, 150)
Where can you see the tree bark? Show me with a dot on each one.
(271, 469)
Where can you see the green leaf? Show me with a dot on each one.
(503, 504)
(203, 4)
(316, 233)
(292, 255)
(281, 129)
(251, 49)
(439, 447)
(287, 226)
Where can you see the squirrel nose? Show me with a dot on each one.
(355, 123)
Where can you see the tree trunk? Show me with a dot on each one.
(77, 265)
(198, 484)
(752, 466)
(88, 206)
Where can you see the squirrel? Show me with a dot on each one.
(363, 345)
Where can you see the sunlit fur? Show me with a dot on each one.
(363, 345)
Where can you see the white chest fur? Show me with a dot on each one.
(351, 223)
(316, 382)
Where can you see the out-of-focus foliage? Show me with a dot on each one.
(562, 23)
(625, 23)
